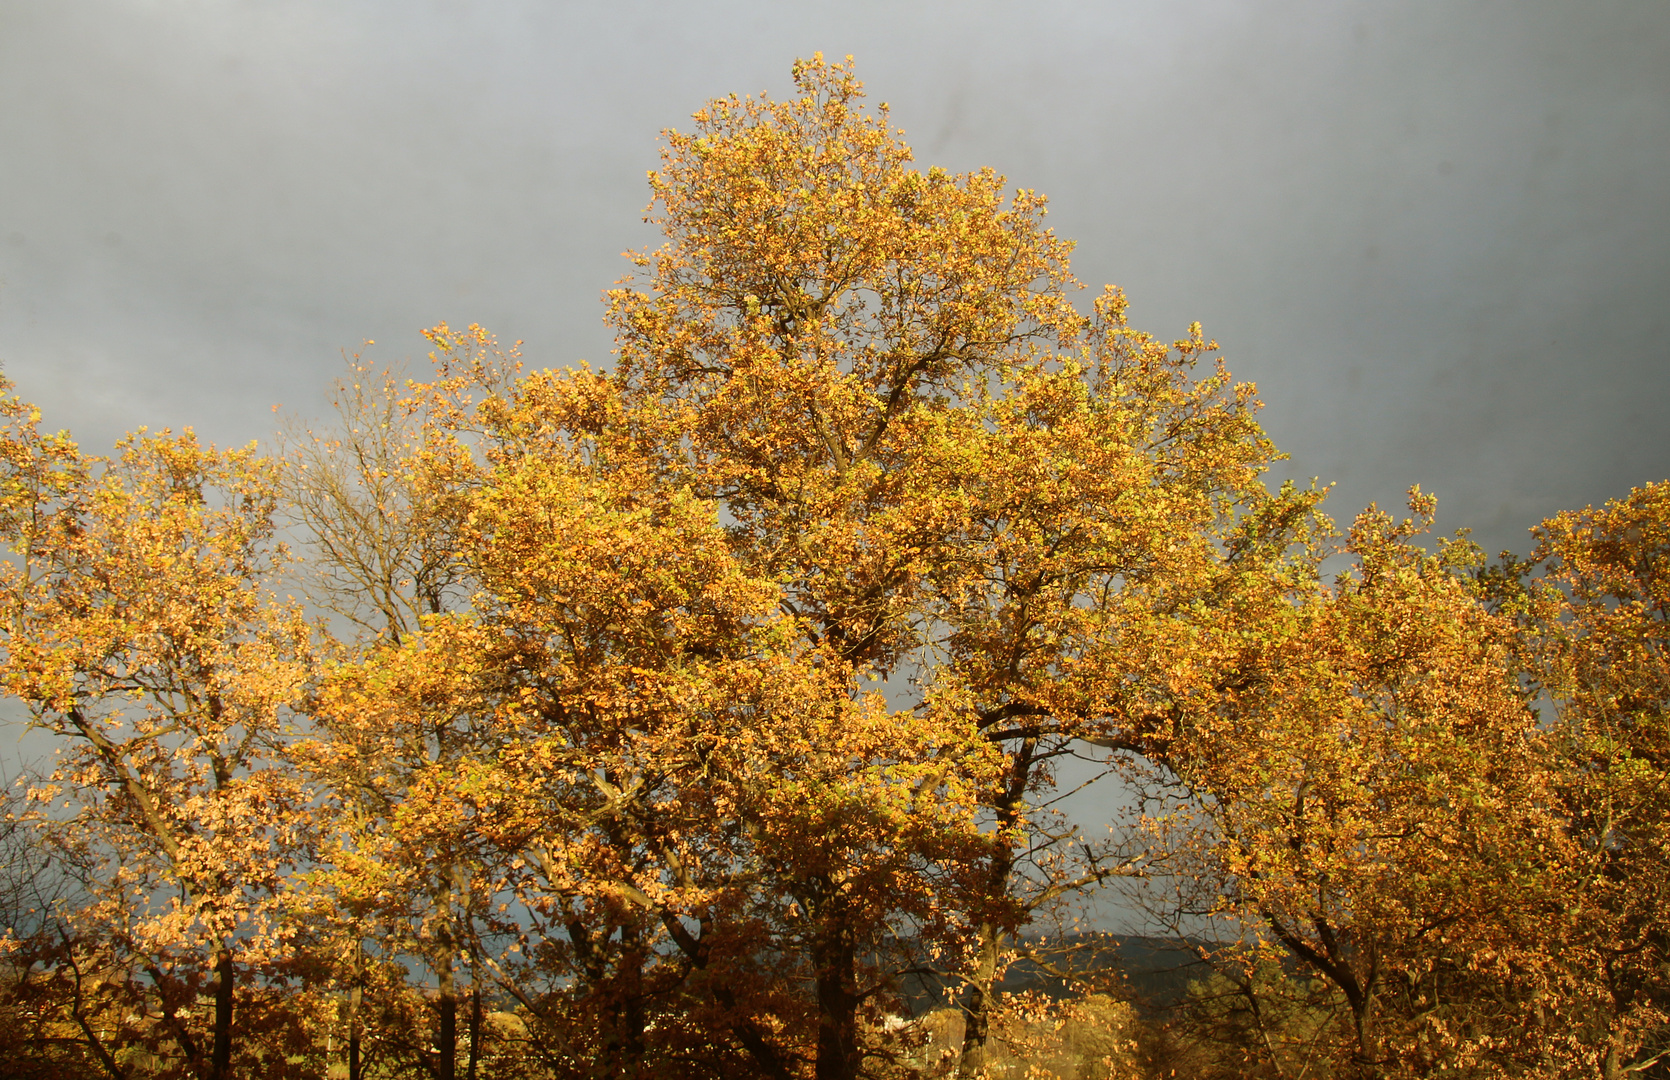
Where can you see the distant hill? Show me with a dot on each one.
(1155, 971)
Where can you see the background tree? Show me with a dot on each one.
(378, 499)
(380, 554)
(40, 892)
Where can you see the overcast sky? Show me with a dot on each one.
(1437, 235)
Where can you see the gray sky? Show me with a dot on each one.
(1436, 234)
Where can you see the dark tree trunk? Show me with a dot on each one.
(839, 1056)
(627, 1034)
(220, 1058)
(354, 996)
(633, 1022)
(446, 1041)
(977, 1002)
(475, 1030)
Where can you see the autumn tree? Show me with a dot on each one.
(950, 471)
(1377, 807)
(671, 767)
(691, 703)
(1592, 601)
(377, 497)
(40, 893)
(138, 630)
(857, 435)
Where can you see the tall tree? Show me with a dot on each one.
(950, 472)
(140, 631)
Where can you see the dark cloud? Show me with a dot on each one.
(1436, 234)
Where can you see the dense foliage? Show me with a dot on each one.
(707, 715)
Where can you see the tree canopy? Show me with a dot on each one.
(709, 713)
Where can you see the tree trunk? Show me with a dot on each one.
(356, 993)
(839, 1057)
(629, 1019)
(446, 1041)
(475, 1031)
(977, 1004)
(220, 1058)
(354, 996)
(1367, 1058)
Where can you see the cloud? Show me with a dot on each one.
(1437, 236)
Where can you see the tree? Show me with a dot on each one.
(878, 373)
(39, 896)
(1592, 601)
(378, 526)
(137, 629)
(1377, 804)
(664, 755)
(379, 498)
(857, 432)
